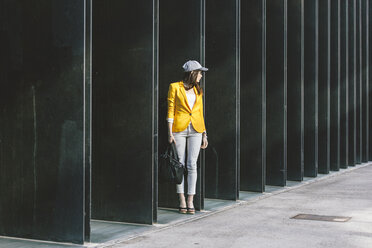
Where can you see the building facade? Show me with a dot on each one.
(83, 103)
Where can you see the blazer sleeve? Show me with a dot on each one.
(202, 114)
(171, 101)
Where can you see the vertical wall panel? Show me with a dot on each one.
(311, 88)
(367, 87)
(155, 100)
(253, 96)
(335, 86)
(222, 99)
(42, 120)
(358, 88)
(324, 86)
(276, 161)
(351, 83)
(369, 78)
(343, 83)
(180, 39)
(364, 87)
(123, 135)
(295, 90)
(87, 116)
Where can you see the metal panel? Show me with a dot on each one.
(295, 90)
(351, 84)
(42, 120)
(358, 88)
(324, 86)
(222, 99)
(155, 102)
(253, 95)
(369, 77)
(276, 161)
(335, 86)
(344, 83)
(124, 111)
(311, 88)
(180, 39)
(364, 87)
(87, 116)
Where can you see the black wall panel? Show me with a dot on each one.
(222, 99)
(87, 116)
(276, 160)
(351, 83)
(335, 86)
(369, 78)
(295, 90)
(253, 96)
(343, 94)
(324, 86)
(311, 88)
(364, 86)
(180, 39)
(358, 95)
(42, 120)
(124, 111)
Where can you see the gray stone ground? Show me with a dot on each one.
(267, 222)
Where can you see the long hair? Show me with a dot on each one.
(190, 77)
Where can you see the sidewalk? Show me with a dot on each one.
(267, 222)
(257, 220)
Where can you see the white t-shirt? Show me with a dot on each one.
(191, 98)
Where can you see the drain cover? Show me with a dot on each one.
(321, 217)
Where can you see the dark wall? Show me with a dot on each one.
(343, 93)
(311, 88)
(222, 99)
(369, 77)
(358, 88)
(335, 86)
(124, 111)
(276, 73)
(180, 39)
(351, 83)
(364, 87)
(324, 86)
(88, 122)
(295, 90)
(41, 120)
(253, 95)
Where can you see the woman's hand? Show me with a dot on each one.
(204, 143)
(171, 139)
(170, 134)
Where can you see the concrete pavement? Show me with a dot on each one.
(267, 222)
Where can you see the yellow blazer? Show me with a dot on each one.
(179, 109)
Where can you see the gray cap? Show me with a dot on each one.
(192, 65)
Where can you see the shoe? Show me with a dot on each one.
(191, 210)
(182, 210)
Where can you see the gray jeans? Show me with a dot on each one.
(192, 139)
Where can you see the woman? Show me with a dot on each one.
(186, 127)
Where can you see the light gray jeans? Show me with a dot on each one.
(192, 139)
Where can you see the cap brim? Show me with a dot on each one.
(204, 69)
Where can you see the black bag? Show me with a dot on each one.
(170, 168)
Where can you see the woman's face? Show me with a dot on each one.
(199, 76)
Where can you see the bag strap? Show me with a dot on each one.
(167, 152)
(174, 151)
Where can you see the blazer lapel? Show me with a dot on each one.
(184, 95)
